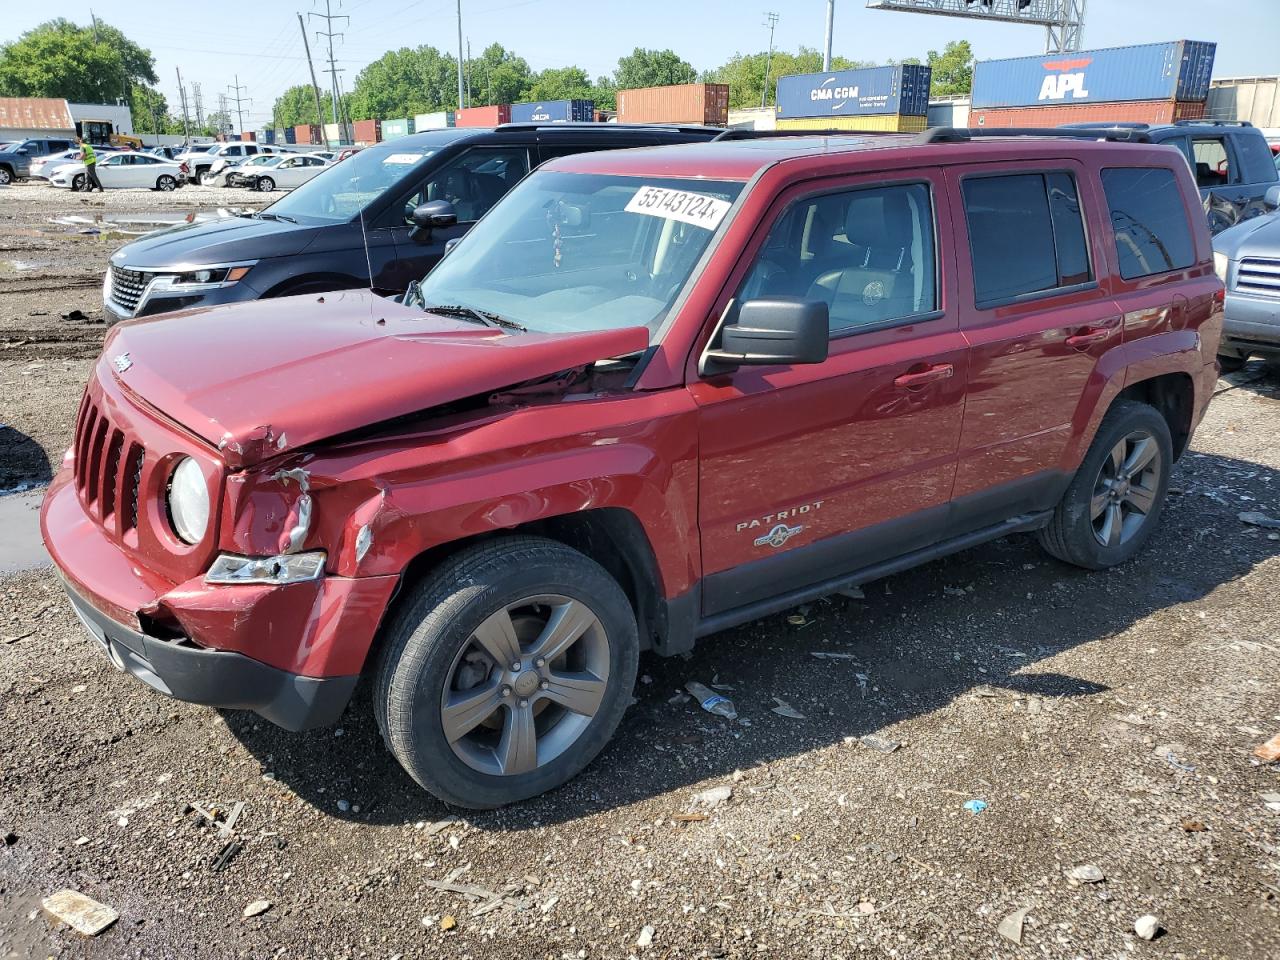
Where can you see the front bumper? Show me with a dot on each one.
(290, 653)
(1251, 325)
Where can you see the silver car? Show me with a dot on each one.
(1247, 258)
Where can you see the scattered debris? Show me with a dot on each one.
(1255, 519)
(689, 817)
(432, 829)
(257, 908)
(784, 709)
(225, 855)
(1170, 752)
(1087, 873)
(823, 655)
(713, 797)
(447, 922)
(863, 680)
(10, 839)
(1147, 927)
(1011, 926)
(882, 744)
(853, 593)
(645, 940)
(1272, 800)
(83, 914)
(711, 701)
(344, 806)
(975, 806)
(487, 900)
(20, 636)
(1268, 752)
(1193, 826)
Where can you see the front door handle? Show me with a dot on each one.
(919, 378)
(1088, 336)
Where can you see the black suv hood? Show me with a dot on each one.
(225, 240)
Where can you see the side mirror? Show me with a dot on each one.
(432, 214)
(773, 331)
(1272, 198)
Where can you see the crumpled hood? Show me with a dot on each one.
(258, 378)
(1259, 237)
(225, 240)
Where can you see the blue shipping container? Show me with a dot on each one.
(1179, 70)
(289, 135)
(554, 111)
(874, 91)
(267, 135)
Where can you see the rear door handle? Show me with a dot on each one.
(1088, 336)
(919, 378)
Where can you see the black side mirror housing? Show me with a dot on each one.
(772, 331)
(432, 214)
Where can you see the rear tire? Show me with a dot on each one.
(480, 733)
(1231, 364)
(166, 183)
(1114, 502)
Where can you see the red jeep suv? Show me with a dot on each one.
(653, 394)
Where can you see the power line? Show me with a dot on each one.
(328, 17)
(240, 100)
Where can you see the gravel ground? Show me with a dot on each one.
(1105, 719)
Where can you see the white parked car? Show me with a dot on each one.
(286, 172)
(123, 170)
(202, 159)
(242, 173)
(42, 167)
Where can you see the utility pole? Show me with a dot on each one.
(182, 95)
(826, 47)
(771, 21)
(315, 87)
(460, 103)
(94, 17)
(468, 72)
(328, 17)
(239, 98)
(199, 104)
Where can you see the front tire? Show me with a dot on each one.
(78, 182)
(6, 176)
(266, 184)
(506, 671)
(1114, 502)
(1230, 364)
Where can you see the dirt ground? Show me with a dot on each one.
(1105, 719)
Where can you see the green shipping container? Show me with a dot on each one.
(397, 128)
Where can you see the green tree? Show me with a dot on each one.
(297, 105)
(652, 68)
(952, 69)
(559, 83)
(220, 121)
(745, 72)
(86, 64)
(498, 76)
(404, 82)
(150, 110)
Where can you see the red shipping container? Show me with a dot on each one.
(703, 103)
(368, 132)
(249, 135)
(307, 133)
(1132, 111)
(483, 116)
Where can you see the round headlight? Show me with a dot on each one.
(189, 501)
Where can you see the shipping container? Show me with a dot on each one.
(875, 123)
(267, 136)
(1141, 111)
(1254, 100)
(368, 132)
(948, 112)
(332, 134)
(305, 133)
(703, 103)
(290, 135)
(439, 120)
(754, 118)
(554, 111)
(1179, 70)
(483, 116)
(401, 127)
(901, 90)
(248, 135)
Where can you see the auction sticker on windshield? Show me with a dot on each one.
(698, 209)
(406, 157)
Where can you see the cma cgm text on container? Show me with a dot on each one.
(554, 111)
(876, 90)
(1179, 70)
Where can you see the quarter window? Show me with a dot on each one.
(868, 254)
(1026, 235)
(1147, 212)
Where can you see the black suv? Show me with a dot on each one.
(381, 218)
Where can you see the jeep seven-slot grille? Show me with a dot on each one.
(108, 470)
(1259, 276)
(126, 287)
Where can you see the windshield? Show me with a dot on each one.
(336, 195)
(566, 252)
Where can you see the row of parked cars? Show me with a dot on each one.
(481, 415)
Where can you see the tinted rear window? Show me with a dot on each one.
(1026, 235)
(1255, 157)
(1150, 221)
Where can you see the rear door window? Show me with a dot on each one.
(1212, 162)
(1026, 235)
(1150, 221)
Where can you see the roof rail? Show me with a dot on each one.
(592, 125)
(1212, 123)
(743, 134)
(965, 134)
(1101, 124)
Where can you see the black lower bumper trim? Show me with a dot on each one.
(217, 678)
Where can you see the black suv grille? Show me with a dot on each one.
(125, 287)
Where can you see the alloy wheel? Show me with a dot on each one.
(526, 685)
(1126, 489)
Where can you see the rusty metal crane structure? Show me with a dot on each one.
(1062, 20)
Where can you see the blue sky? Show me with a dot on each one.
(259, 39)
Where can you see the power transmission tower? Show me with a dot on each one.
(182, 95)
(315, 87)
(240, 100)
(328, 17)
(771, 21)
(199, 104)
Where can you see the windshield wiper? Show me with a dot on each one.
(264, 215)
(484, 317)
